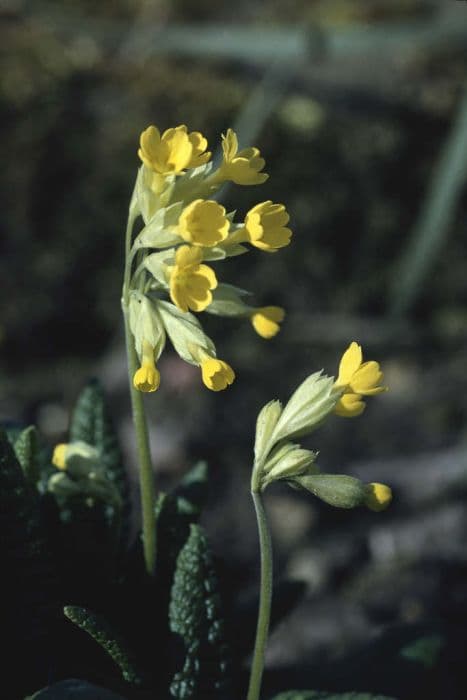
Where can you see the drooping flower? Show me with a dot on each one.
(356, 379)
(147, 378)
(265, 227)
(216, 374)
(242, 167)
(266, 320)
(174, 151)
(203, 223)
(191, 282)
(378, 496)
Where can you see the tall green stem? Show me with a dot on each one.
(146, 474)
(265, 598)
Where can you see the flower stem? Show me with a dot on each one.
(146, 474)
(265, 597)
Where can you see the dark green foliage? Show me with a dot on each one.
(27, 453)
(100, 630)
(177, 510)
(91, 422)
(30, 597)
(424, 651)
(190, 494)
(74, 689)
(241, 618)
(195, 615)
(318, 695)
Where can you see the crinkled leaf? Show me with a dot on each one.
(91, 422)
(103, 633)
(27, 453)
(195, 615)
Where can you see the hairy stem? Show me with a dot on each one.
(265, 597)
(146, 474)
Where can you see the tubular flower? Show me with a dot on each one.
(174, 151)
(356, 379)
(147, 378)
(190, 282)
(242, 167)
(265, 227)
(216, 374)
(378, 496)
(266, 319)
(203, 223)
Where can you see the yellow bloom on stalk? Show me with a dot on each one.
(265, 227)
(266, 319)
(242, 167)
(378, 496)
(216, 374)
(174, 151)
(147, 378)
(203, 223)
(356, 379)
(191, 282)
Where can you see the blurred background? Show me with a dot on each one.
(360, 109)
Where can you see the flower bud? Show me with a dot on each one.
(290, 464)
(339, 490)
(77, 458)
(265, 424)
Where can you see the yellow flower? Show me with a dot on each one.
(190, 282)
(356, 379)
(203, 223)
(242, 167)
(174, 151)
(59, 454)
(266, 320)
(216, 374)
(147, 378)
(265, 227)
(378, 496)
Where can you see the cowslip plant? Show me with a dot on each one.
(177, 235)
(171, 269)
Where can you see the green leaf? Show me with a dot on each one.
(27, 452)
(91, 422)
(195, 615)
(100, 630)
(74, 689)
(318, 695)
(425, 650)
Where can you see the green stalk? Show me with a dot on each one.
(265, 598)
(146, 474)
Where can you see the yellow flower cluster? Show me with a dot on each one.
(279, 457)
(185, 228)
